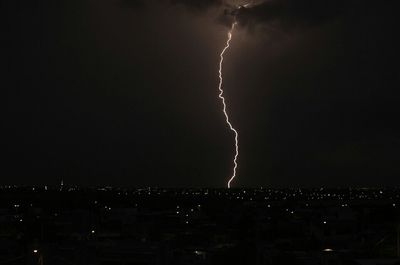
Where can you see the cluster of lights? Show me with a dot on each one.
(186, 213)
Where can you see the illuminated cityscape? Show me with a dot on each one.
(105, 225)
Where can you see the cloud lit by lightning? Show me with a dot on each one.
(224, 104)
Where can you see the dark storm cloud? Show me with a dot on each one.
(289, 14)
(135, 4)
(196, 5)
(192, 5)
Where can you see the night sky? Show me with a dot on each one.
(124, 92)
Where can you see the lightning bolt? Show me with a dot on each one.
(224, 104)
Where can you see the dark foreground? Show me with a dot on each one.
(198, 226)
